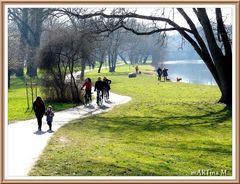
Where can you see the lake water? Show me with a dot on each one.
(191, 71)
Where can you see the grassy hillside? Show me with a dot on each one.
(168, 129)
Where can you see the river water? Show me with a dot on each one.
(191, 71)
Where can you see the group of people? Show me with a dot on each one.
(39, 106)
(100, 86)
(162, 73)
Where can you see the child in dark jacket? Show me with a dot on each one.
(49, 113)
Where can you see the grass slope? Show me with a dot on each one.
(168, 129)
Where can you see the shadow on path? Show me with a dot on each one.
(39, 132)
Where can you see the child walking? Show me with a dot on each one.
(49, 113)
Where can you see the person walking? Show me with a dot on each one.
(137, 69)
(159, 73)
(39, 109)
(106, 85)
(165, 74)
(49, 114)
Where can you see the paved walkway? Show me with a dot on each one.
(25, 143)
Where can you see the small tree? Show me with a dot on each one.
(58, 59)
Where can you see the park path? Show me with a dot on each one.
(25, 144)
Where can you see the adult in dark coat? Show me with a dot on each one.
(106, 85)
(99, 86)
(39, 109)
(165, 73)
(159, 73)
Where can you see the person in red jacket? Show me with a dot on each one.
(88, 88)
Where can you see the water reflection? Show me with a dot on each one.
(191, 71)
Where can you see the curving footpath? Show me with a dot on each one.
(25, 144)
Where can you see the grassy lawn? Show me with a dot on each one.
(17, 101)
(168, 129)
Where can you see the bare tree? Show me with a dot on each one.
(13, 52)
(114, 41)
(58, 59)
(101, 52)
(29, 22)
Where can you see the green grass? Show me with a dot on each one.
(168, 129)
(17, 101)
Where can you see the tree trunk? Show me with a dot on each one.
(223, 63)
(145, 59)
(31, 67)
(82, 70)
(110, 61)
(101, 62)
(9, 78)
(226, 81)
(20, 71)
(75, 96)
(122, 57)
(35, 22)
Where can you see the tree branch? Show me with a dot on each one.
(223, 33)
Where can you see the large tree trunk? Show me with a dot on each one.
(35, 22)
(101, 62)
(223, 63)
(112, 59)
(31, 65)
(22, 44)
(226, 81)
(9, 78)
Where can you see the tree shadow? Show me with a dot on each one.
(143, 123)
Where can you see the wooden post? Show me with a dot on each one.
(31, 89)
(36, 87)
(27, 95)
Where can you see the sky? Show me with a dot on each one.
(149, 9)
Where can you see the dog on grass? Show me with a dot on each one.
(179, 79)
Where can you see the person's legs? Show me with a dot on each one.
(50, 125)
(98, 91)
(102, 94)
(88, 92)
(108, 93)
(39, 119)
(85, 97)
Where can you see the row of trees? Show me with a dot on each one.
(87, 36)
